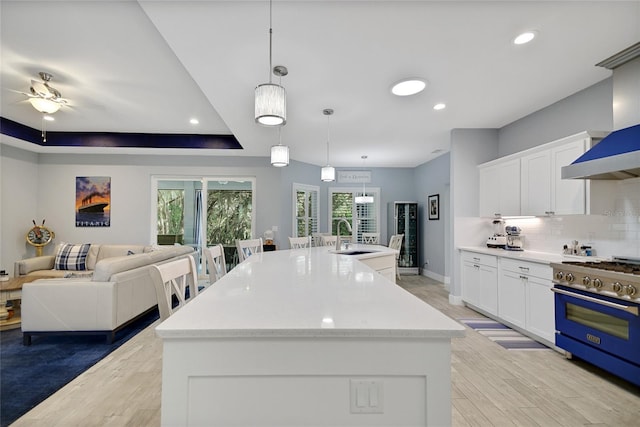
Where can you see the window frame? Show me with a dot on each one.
(307, 189)
(355, 191)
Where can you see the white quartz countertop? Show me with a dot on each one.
(307, 293)
(526, 255)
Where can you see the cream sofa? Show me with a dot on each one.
(118, 290)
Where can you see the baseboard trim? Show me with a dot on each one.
(434, 276)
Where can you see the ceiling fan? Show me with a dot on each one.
(44, 97)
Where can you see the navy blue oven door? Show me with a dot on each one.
(608, 324)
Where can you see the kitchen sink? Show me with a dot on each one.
(354, 252)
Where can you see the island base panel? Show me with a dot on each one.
(296, 382)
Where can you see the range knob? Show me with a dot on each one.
(597, 283)
(617, 287)
(630, 290)
(570, 277)
(559, 275)
(586, 280)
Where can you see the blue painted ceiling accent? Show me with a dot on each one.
(117, 139)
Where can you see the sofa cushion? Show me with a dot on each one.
(72, 257)
(110, 251)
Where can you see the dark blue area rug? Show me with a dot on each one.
(30, 374)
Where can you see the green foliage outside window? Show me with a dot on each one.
(170, 212)
(342, 208)
(228, 216)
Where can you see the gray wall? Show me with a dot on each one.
(589, 109)
(433, 178)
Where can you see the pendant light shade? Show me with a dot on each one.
(328, 173)
(271, 105)
(270, 98)
(364, 198)
(279, 153)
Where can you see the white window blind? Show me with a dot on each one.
(305, 210)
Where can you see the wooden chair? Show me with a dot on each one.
(246, 248)
(396, 243)
(216, 262)
(370, 238)
(300, 242)
(329, 241)
(173, 278)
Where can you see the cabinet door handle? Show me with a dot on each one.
(524, 268)
(476, 259)
(476, 266)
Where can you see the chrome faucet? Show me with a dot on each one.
(338, 242)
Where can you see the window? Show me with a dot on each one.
(198, 211)
(362, 217)
(170, 212)
(306, 210)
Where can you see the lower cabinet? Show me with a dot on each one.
(517, 292)
(480, 281)
(525, 298)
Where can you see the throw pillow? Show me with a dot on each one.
(72, 257)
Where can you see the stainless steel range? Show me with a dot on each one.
(598, 313)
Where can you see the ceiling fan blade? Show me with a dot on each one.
(40, 89)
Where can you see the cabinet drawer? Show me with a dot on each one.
(482, 259)
(534, 269)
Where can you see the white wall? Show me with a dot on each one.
(19, 206)
(469, 148)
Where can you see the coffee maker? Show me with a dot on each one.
(515, 240)
(498, 240)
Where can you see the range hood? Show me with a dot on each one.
(618, 155)
(615, 157)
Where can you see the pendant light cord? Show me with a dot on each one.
(270, 38)
(328, 139)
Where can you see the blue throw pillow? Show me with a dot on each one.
(72, 257)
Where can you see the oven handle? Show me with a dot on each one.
(632, 310)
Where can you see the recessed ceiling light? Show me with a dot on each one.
(439, 106)
(194, 121)
(525, 37)
(408, 87)
(49, 118)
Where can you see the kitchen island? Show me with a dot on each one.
(306, 337)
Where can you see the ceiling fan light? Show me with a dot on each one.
(279, 156)
(44, 105)
(328, 173)
(270, 105)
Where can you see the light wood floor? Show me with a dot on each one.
(491, 386)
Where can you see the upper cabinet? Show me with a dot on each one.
(541, 189)
(500, 188)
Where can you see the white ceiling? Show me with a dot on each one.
(149, 66)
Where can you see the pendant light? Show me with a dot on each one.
(364, 198)
(328, 173)
(270, 98)
(279, 153)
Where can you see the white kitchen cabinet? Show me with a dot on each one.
(525, 298)
(480, 281)
(544, 192)
(500, 188)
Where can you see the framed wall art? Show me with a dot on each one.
(93, 201)
(433, 203)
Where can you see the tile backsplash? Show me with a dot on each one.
(617, 232)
